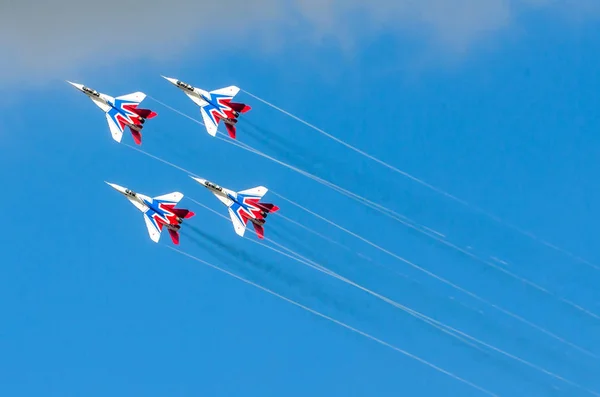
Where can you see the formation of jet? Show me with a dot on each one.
(214, 105)
(243, 206)
(121, 111)
(158, 211)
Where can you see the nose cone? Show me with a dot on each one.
(199, 180)
(169, 79)
(118, 188)
(78, 86)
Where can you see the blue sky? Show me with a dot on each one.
(504, 118)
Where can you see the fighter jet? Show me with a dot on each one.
(158, 212)
(214, 105)
(121, 111)
(243, 206)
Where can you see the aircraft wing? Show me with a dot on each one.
(209, 122)
(197, 100)
(137, 97)
(230, 91)
(257, 192)
(115, 128)
(139, 206)
(154, 228)
(238, 223)
(171, 198)
(101, 105)
(224, 200)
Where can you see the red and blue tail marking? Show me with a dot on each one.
(126, 113)
(249, 208)
(163, 213)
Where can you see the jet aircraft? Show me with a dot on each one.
(215, 105)
(158, 212)
(121, 111)
(244, 206)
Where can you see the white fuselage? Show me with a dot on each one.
(189, 89)
(142, 203)
(200, 97)
(228, 197)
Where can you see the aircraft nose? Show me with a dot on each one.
(169, 79)
(118, 188)
(199, 180)
(78, 86)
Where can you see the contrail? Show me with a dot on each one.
(431, 187)
(161, 160)
(429, 320)
(453, 332)
(231, 252)
(338, 322)
(389, 212)
(406, 261)
(439, 278)
(435, 323)
(433, 234)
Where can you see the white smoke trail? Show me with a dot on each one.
(460, 335)
(431, 187)
(429, 273)
(435, 235)
(338, 322)
(441, 279)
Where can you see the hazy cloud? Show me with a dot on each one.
(42, 39)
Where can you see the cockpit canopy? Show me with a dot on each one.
(212, 185)
(185, 85)
(90, 91)
(129, 192)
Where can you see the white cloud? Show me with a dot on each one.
(42, 39)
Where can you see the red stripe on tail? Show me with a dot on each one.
(137, 136)
(239, 107)
(260, 231)
(268, 207)
(182, 213)
(231, 130)
(174, 236)
(145, 113)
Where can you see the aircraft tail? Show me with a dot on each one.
(239, 107)
(174, 236)
(260, 230)
(231, 130)
(137, 135)
(183, 213)
(268, 207)
(144, 113)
